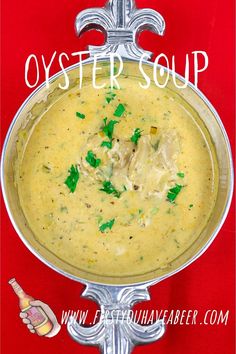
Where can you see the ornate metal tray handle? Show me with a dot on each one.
(116, 332)
(121, 21)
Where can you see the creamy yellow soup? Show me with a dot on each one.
(118, 182)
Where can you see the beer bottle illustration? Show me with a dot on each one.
(35, 314)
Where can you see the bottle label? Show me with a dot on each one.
(36, 316)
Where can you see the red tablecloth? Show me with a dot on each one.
(43, 26)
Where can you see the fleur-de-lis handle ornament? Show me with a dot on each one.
(121, 21)
(116, 332)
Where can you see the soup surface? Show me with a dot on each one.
(118, 182)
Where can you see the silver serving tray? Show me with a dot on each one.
(121, 21)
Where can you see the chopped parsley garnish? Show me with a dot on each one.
(190, 206)
(108, 131)
(73, 178)
(108, 128)
(92, 160)
(119, 110)
(180, 174)
(107, 144)
(110, 189)
(173, 192)
(136, 136)
(110, 96)
(80, 115)
(106, 225)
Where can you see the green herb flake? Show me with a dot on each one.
(119, 110)
(110, 96)
(107, 144)
(110, 189)
(80, 115)
(109, 128)
(108, 131)
(106, 225)
(180, 174)
(173, 192)
(190, 206)
(136, 136)
(73, 178)
(92, 160)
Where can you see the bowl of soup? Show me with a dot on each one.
(117, 185)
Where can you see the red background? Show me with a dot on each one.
(43, 26)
